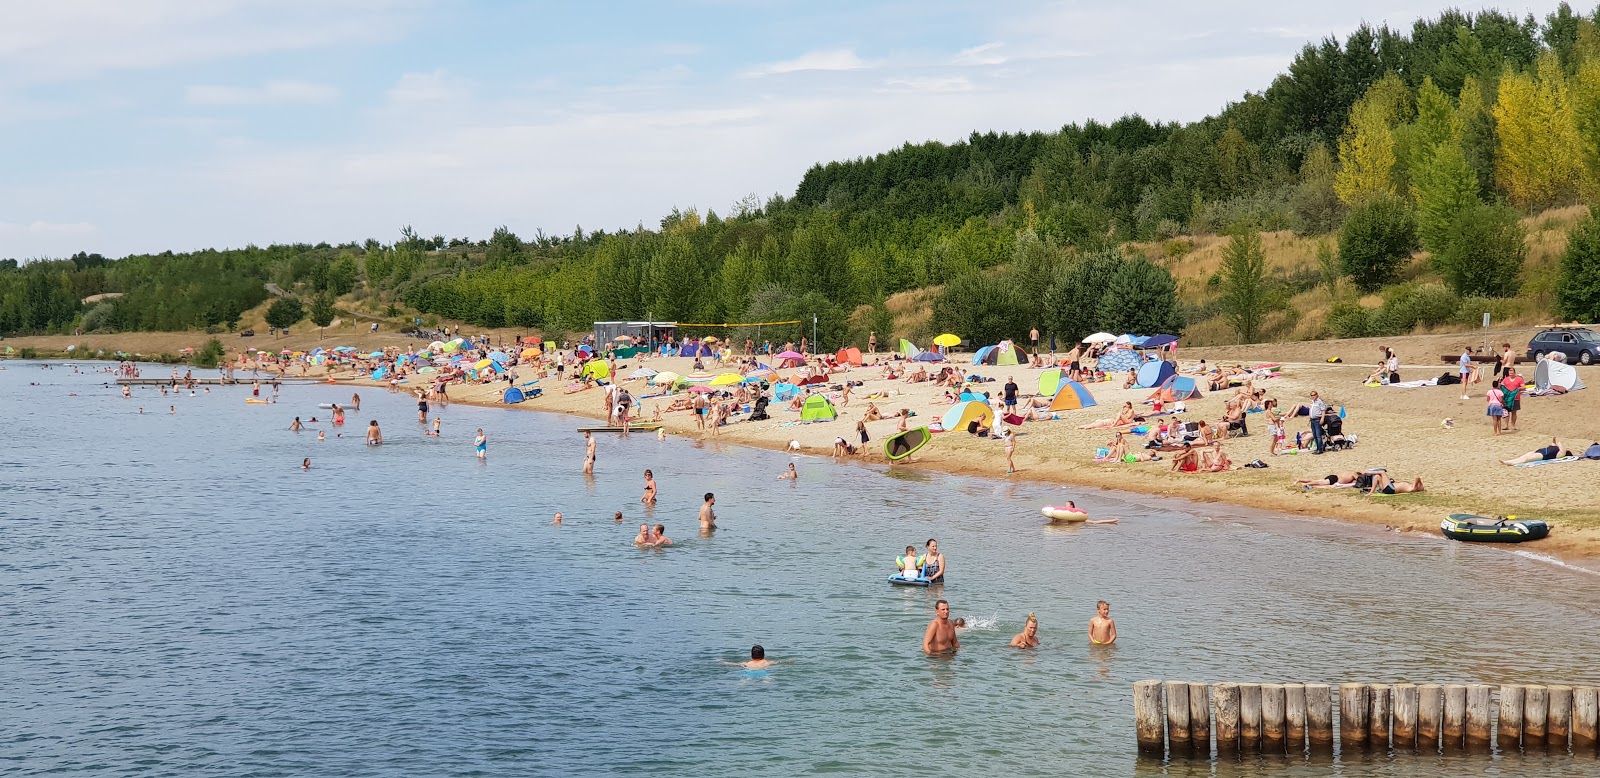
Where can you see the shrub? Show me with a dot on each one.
(1578, 294)
(1483, 251)
(1376, 240)
(1350, 320)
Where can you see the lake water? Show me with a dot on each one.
(177, 598)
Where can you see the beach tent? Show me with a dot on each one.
(1153, 374)
(692, 349)
(848, 356)
(1174, 389)
(596, 369)
(817, 408)
(1072, 396)
(783, 391)
(1118, 361)
(1050, 381)
(1003, 353)
(971, 396)
(963, 413)
(909, 349)
(513, 396)
(1551, 373)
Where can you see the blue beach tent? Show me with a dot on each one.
(513, 396)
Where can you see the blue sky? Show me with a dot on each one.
(144, 125)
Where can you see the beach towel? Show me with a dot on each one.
(1411, 384)
(1540, 462)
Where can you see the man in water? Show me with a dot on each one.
(1030, 634)
(374, 435)
(661, 536)
(708, 517)
(940, 637)
(557, 519)
(588, 453)
(1102, 630)
(758, 659)
(645, 537)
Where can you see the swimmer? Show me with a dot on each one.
(940, 636)
(645, 537)
(708, 517)
(480, 444)
(141, 411)
(661, 536)
(961, 624)
(320, 436)
(588, 453)
(933, 562)
(435, 432)
(295, 425)
(910, 565)
(648, 499)
(557, 520)
(1102, 630)
(374, 434)
(790, 475)
(172, 409)
(617, 518)
(758, 659)
(1029, 638)
(306, 464)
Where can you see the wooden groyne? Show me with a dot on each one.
(1180, 719)
(213, 381)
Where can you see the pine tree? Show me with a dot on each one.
(1246, 297)
(1578, 294)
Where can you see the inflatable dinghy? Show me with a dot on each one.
(1483, 529)
(900, 580)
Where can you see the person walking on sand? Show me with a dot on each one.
(649, 497)
(708, 517)
(1029, 637)
(480, 444)
(1033, 338)
(940, 636)
(1465, 369)
(872, 342)
(588, 453)
(1011, 451)
(1102, 630)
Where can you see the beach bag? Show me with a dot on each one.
(1593, 452)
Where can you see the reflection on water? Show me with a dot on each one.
(176, 596)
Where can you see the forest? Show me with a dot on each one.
(1394, 144)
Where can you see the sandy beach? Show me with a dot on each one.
(1399, 429)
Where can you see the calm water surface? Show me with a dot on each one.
(178, 598)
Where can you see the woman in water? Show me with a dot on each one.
(933, 562)
(480, 444)
(649, 497)
(1029, 638)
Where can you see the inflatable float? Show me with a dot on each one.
(1063, 513)
(253, 401)
(899, 446)
(646, 426)
(900, 580)
(1483, 529)
(325, 406)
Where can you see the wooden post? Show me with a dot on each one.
(1405, 716)
(1226, 698)
(1148, 722)
(1558, 724)
(1378, 717)
(1535, 708)
(1430, 706)
(1509, 735)
(1319, 716)
(1294, 714)
(1250, 717)
(1455, 715)
(1354, 704)
(1273, 718)
(1477, 716)
(1585, 718)
(1177, 694)
(1200, 718)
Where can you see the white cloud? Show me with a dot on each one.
(434, 87)
(40, 228)
(821, 60)
(987, 54)
(272, 92)
(930, 84)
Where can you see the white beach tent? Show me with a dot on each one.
(1552, 373)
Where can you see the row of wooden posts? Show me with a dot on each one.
(1179, 717)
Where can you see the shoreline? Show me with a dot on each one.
(1043, 456)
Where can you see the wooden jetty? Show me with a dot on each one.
(1178, 719)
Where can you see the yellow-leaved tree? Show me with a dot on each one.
(1539, 161)
(1367, 151)
(1586, 117)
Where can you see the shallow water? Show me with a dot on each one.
(178, 597)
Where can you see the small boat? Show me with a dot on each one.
(899, 446)
(648, 426)
(1483, 529)
(900, 580)
(1064, 514)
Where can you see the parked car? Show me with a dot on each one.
(1581, 345)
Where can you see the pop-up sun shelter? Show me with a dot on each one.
(596, 369)
(963, 413)
(817, 408)
(999, 354)
(1174, 389)
(1550, 373)
(1050, 381)
(1153, 374)
(909, 349)
(848, 356)
(513, 396)
(1071, 397)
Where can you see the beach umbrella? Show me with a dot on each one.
(709, 339)
(755, 379)
(449, 347)
(701, 388)
(664, 378)
(928, 356)
(500, 356)
(285, 352)
(429, 369)
(482, 363)
(1123, 340)
(727, 379)
(316, 351)
(1100, 337)
(375, 355)
(436, 345)
(531, 353)
(791, 355)
(623, 338)
(947, 340)
(643, 372)
(1157, 341)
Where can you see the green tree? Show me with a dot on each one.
(1578, 294)
(1246, 296)
(209, 354)
(1475, 130)
(1376, 240)
(675, 286)
(285, 312)
(1141, 298)
(1072, 300)
(1484, 252)
(980, 307)
(1317, 210)
(505, 248)
(1367, 149)
(1445, 186)
(1540, 160)
(342, 274)
(322, 311)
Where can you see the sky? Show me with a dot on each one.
(133, 126)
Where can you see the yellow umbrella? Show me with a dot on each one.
(665, 378)
(531, 353)
(483, 363)
(947, 340)
(727, 379)
(710, 339)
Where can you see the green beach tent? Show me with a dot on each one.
(817, 408)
